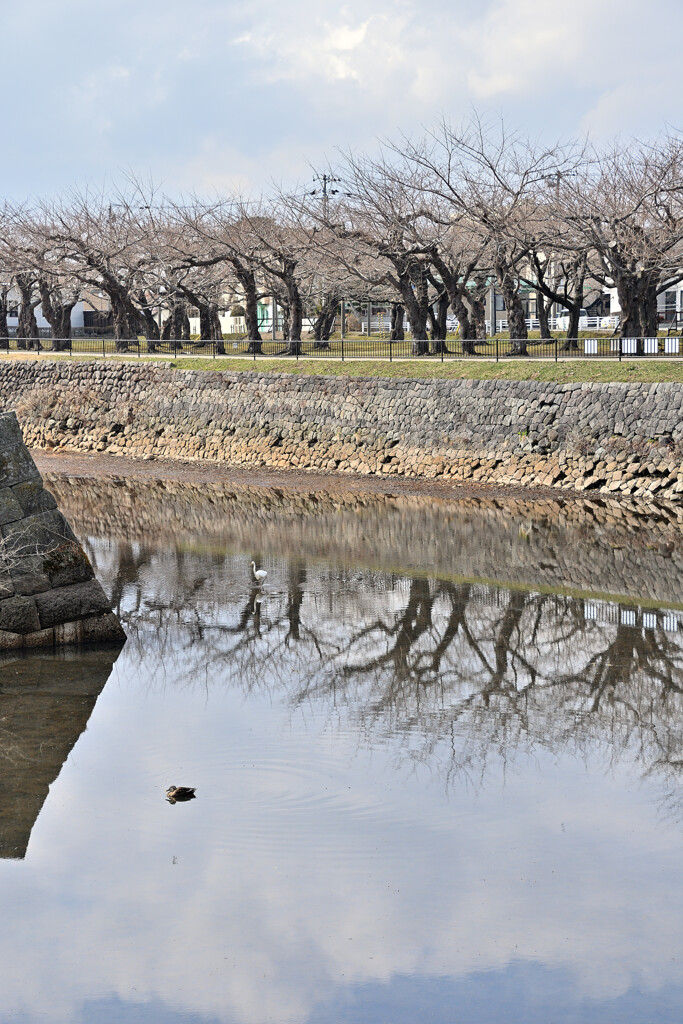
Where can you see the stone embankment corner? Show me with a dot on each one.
(48, 592)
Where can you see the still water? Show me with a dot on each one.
(437, 759)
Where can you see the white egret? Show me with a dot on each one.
(259, 574)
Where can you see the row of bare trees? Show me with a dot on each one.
(424, 225)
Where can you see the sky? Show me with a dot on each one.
(223, 95)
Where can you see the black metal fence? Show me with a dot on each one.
(357, 348)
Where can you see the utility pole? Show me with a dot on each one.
(325, 180)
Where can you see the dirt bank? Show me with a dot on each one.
(99, 466)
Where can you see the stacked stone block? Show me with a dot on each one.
(618, 439)
(48, 592)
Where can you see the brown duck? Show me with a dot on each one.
(176, 794)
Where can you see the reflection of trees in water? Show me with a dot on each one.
(460, 673)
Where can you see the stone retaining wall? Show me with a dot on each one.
(48, 592)
(622, 439)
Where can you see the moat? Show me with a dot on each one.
(437, 758)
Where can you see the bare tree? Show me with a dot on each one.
(379, 231)
(627, 207)
(498, 181)
(100, 240)
(215, 236)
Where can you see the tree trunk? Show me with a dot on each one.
(397, 314)
(628, 292)
(27, 331)
(4, 326)
(295, 313)
(476, 299)
(151, 325)
(467, 335)
(571, 299)
(176, 326)
(572, 340)
(205, 322)
(283, 306)
(542, 312)
(324, 321)
(515, 311)
(649, 317)
(414, 292)
(247, 278)
(57, 314)
(122, 327)
(216, 328)
(454, 280)
(63, 327)
(251, 312)
(184, 333)
(439, 324)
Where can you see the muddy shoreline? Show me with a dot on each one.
(101, 466)
(515, 536)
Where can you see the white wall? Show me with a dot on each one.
(76, 318)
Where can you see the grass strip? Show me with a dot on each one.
(568, 371)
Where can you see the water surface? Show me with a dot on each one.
(421, 795)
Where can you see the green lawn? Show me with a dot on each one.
(568, 371)
(575, 371)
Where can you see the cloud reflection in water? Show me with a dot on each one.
(412, 794)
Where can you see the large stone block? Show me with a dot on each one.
(41, 533)
(32, 497)
(19, 615)
(27, 576)
(10, 433)
(10, 509)
(46, 580)
(10, 641)
(17, 467)
(94, 629)
(65, 604)
(65, 564)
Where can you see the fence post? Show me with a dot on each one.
(71, 347)
(443, 345)
(104, 350)
(496, 348)
(555, 349)
(391, 350)
(254, 348)
(620, 349)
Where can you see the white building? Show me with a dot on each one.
(669, 303)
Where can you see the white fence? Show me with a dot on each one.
(381, 324)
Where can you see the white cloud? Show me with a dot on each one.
(160, 84)
(291, 877)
